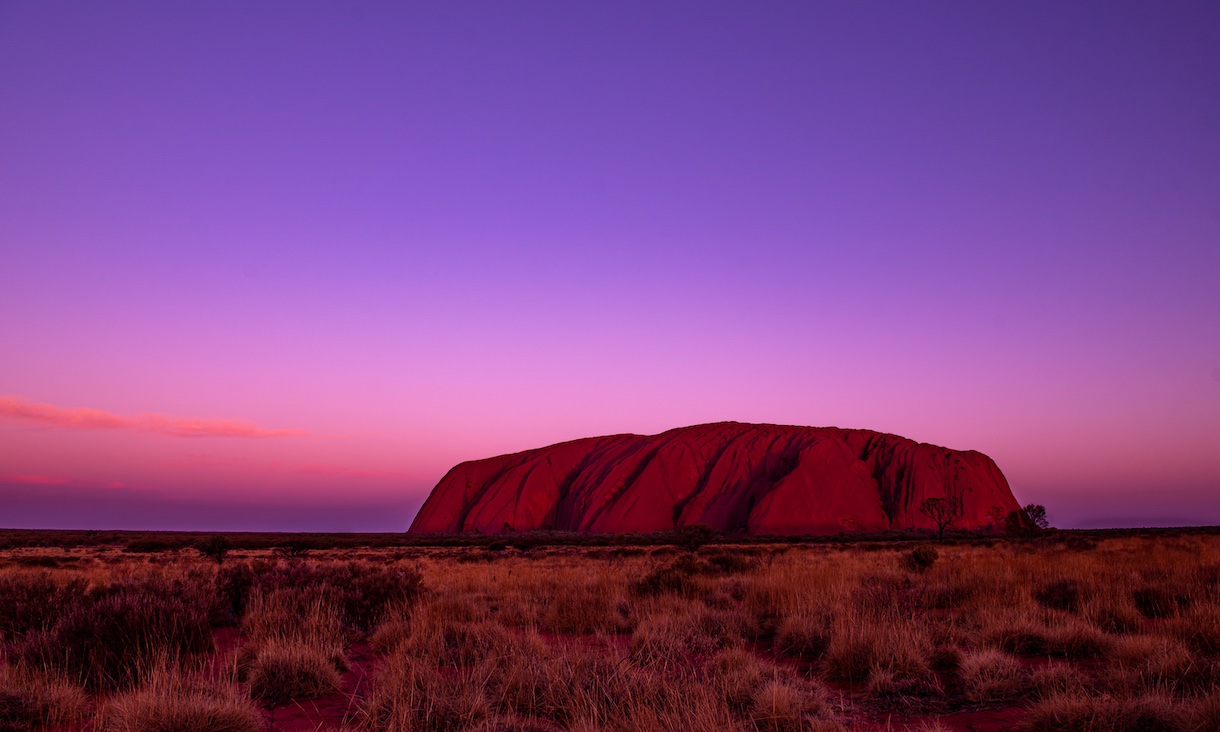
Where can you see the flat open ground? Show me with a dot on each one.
(1068, 631)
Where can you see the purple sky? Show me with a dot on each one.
(279, 266)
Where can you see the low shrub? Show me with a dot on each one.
(920, 559)
(727, 562)
(1061, 595)
(677, 577)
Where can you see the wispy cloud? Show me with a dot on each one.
(82, 418)
(57, 480)
(343, 472)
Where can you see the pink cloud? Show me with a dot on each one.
(56, 480)
(82, 418)
(340, 471)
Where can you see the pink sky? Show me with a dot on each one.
(282, 269)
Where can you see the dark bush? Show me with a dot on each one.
(108, 640)
(731, 562)
(1079, 544)
(295, 548)
(920, 558)
(363, 592)
(37, 560)
(1154, 601)
(232, 586)
(1061, 595)
(215, 548)
(19, 711)
(694, 536)
(30, 602)
(149, 546)
(677, 577)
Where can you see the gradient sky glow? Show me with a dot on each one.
(298, 259)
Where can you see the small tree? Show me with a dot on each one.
(1037, 515)
(294, 548)
(215, 547)
(944, 512)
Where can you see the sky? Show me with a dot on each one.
(279, 266)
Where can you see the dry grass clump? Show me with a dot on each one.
(1057, 679)
(285, 614)
(780, 705)
(168, 701)
(29, 700)
(1206, 714)
(736, 674)
(805, 636)
(1062, 595)
(595, 605)
(1152, 663)
(1108, 714)
(1030, 636)
(992, 676)
(1199, 629)
(1116, 616)
(920, 559)
(682, 631)
(457, 644)
(284, 671)
(888, 653)
(1160, 600)
(681, 576)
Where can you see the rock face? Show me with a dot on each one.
(762, 479)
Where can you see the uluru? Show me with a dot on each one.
(733, 477)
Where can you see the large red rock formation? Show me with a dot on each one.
(763, 479)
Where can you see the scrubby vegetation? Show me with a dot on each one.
(1043, 634)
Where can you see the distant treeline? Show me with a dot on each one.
(154, 541)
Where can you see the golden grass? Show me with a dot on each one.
(171, 701)
(1122, 634)
(30, 699)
